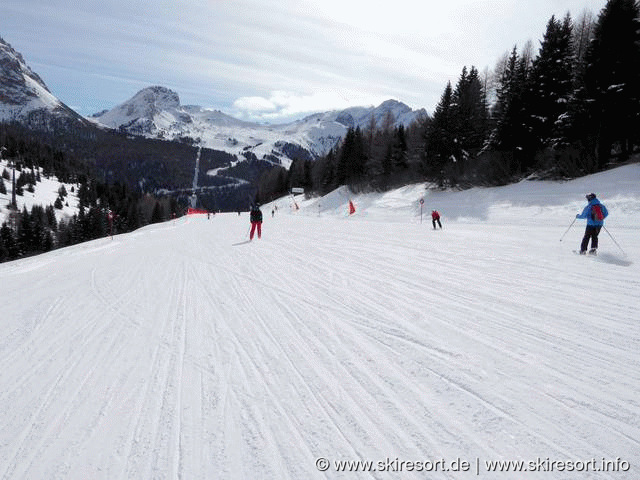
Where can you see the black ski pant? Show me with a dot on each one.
(434, 222)
(591, 232)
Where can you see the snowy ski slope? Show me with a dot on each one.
(182, 351)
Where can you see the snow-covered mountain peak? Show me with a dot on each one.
(24, 95)
(161, 98)
(21, 89)
(394, 105)
(16, 77)
(149, 110)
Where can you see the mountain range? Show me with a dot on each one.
(156, 112)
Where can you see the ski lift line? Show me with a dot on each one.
(194, 197)
(195, 175)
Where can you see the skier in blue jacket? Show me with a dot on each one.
(595, 213)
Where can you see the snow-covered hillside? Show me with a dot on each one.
(156, 112)
(45, 193)
(183, 351)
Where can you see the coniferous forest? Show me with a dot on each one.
(37, 230)
(569, 109)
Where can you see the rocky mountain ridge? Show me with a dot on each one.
(24, 96)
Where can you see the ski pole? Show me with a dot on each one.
(574, 221)
(614, 241)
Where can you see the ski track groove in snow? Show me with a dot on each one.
(37, 435)
(380, 293)
(265, 379)
(363, 378)
(257, 369)
(170, 353)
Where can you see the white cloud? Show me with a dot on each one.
(254, 104)
(281, 105)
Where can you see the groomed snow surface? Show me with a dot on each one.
(183, 351)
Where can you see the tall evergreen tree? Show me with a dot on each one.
(352, 159)
(399, 149)
(52, 222)
(550, 82)
(572, 129)
(9, 249)
(327, 172)
(510, 134)
(612, 79)
(470, 115)
(581, 36)
(441, 145)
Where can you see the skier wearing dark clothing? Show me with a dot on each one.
(595, 213)
(255, 217)
(435, 217)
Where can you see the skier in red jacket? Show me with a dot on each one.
(435, 217)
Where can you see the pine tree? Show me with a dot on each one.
(612, 79)
(352, 159)
(469, 117)
(441, 145)
(550, 83)
(9, 249)
(573, 141)
(326, 176)
(370, 134)
(52, 222)
(581, 36)
(399, 149)
(500, 111)
(510, 134)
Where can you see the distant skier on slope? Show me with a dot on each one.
(435, 217)
(595, 213)
(255, 217)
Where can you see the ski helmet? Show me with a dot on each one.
(591, 196)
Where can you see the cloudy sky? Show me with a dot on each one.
(269, 60)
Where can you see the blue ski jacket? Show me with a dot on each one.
(586, 213)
